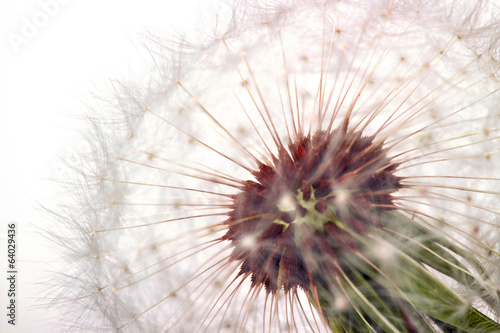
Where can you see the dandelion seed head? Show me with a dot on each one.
(280, 163)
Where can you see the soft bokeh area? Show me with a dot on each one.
(53, 53)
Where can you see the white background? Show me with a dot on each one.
(52, 54)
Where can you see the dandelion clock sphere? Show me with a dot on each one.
(296, 166)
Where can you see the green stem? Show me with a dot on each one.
(403, 295)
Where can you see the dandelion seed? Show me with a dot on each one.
(325, 166)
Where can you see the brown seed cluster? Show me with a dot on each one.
(332, 184)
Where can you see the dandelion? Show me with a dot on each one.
(325, 166)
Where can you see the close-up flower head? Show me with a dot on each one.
(293, 166)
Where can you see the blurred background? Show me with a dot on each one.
(53, 55)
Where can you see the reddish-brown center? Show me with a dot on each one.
(288, 226)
